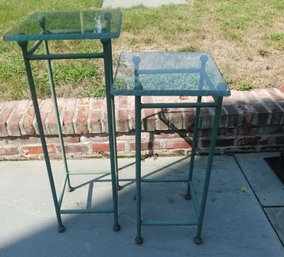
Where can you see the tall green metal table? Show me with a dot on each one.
(39, 29)
(172, 74)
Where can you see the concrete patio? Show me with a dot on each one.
(245, 199)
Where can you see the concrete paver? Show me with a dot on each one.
(235, 224)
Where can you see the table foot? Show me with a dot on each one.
(197, 240)
(70, 189)
(61, 229)
(139, 240)
(187, 196)
(116, 228)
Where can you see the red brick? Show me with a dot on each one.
(89, 138)
(122, 102)
(178, 144)
(81, 124)
(96, 103)
(176, 118)
(161, 122)
(4, 116)
(251, 97)
(51, 120)
(223, 118)
(206, 118)
(45, 107)
(105, 120)
(26, 123)
(148, 119)
(100, 147)
(13, 122)
(224, 142)
(251, 115)
(67, 122)
(104, 147)
(189, 118)
(76, 148)
(234, 116)
(165, 135)
(36, 149)
(67, 139)
(221, 142)
(275, 94)
(238, 97)
(263, 115)
(9, 150)
(244, 141)
(145, 146)
(22, 141)
(122, 120)
(94, 122)
(71, 104)
(147, 99)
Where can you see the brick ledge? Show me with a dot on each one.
(251, 121)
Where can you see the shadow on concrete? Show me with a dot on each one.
(235, 224)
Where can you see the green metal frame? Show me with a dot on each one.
(190, 194)
(28, 56)
(131, 84)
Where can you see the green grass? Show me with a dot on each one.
(199, 26)
(245, 86)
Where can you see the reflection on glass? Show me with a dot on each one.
(59, 24)
(169, 73)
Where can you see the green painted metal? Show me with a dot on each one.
(194, 144)
(177, 105)
(77, 25)
(63, 186)
(66, 56)
(172, 74)
(138, 166)
(209, 166)
(55, 105)
(31, 83)
(111, 127)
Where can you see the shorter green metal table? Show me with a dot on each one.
(43, 27)
(172, 74)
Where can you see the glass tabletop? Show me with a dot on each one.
(59, 25)
(169, 73)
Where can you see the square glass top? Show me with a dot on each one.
(169, 73)
(59, 25)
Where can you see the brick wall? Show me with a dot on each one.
(251, 121)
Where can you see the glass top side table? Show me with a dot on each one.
(68, 25)
(172, 74)
(43, 27)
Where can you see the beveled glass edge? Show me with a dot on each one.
(27, 37)
(135, 92)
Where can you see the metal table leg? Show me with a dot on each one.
(24, 45)
(138, 239)
(197, 238)
(111, 128)
(59, 129)
(187, 196)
